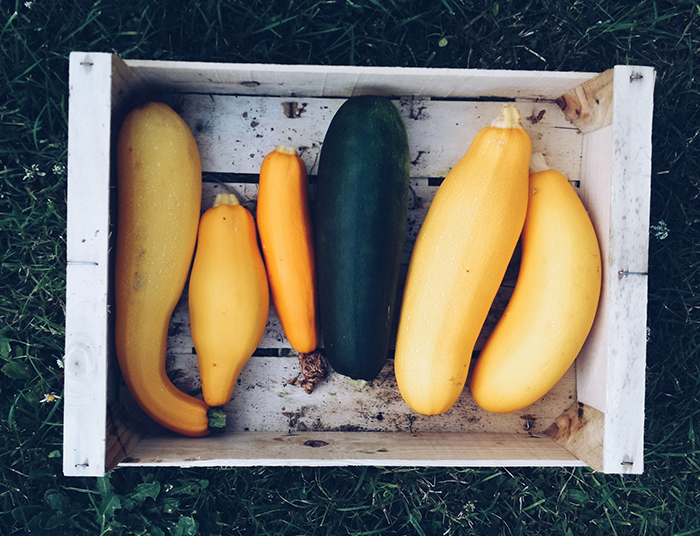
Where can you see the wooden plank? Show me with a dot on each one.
(342, 449)
(580, 431)
(123, 433)
(345, 81)
(590, 105)
(87, 271)
(234, 133)
(627, 276)
(268, 398)
(596, 173)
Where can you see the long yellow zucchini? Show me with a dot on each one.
(554, 302)
(159, 189)
(459, 259)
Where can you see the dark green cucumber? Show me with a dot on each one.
(360, 211)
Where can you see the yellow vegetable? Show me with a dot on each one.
(159, 188)
(228, 296)
(284, 223)
(554, 302)
(458, 262)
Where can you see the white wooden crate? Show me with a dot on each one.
(595, 128)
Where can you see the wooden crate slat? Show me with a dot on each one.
(342, 449)
(87, 270)
(267, 397)
(234, 133)
(596, 172)
(627, 276)
(345, 81)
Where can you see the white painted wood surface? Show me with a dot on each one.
(345, 81)
(623, 449)
(596, 169)
(87, 282)
(235, 133)
(228, 140)
(268, 399)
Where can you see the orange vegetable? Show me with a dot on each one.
(228, 296)
(286, 234)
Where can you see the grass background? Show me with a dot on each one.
(583, 35)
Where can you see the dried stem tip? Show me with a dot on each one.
(508, 118)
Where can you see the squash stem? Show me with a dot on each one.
(508, 118)
(217, 420)
(286, 150)
(538, 163)
(225, 199)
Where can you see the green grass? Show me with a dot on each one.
(36, 38)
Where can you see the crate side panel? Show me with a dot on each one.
(345, 81)
(596, 169)
(87, 278)
(341, 449)
(627, 284)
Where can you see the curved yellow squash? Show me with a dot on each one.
(229, 298)
(159, 188)
(553, 305)
(459, 259)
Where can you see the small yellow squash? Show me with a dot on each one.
(159, 188)
(554, 302)
(458, 262)
(229, 298)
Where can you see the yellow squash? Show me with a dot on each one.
(554, 302)
(229, 298)
(159, 188)
(286, 234)
(459, 259)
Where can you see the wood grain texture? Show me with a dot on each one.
(87, 270)
(342, 449)
(590, 105)
(268, 398)
(234, 133)
(345, 81)
(627, 273)
(123, 433)
(580, 430)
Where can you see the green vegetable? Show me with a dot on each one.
(360, 223)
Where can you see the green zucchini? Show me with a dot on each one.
(360, 212)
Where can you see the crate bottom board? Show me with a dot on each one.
(352, 448)
(341, 424)
(268, 398)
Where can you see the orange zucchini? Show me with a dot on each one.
(554, 302)
(228, 296)
(286, 234)
(159, 188)
(458, 262)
